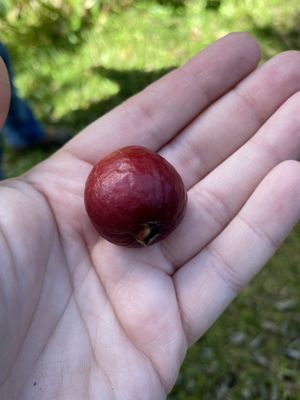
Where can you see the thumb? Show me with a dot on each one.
(4, 93)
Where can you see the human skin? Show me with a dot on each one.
(81, 318)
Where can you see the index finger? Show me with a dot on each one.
(159, 112)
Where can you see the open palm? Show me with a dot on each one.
(81, 318)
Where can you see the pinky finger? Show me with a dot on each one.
(209, 282)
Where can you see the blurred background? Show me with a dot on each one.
(75, 60)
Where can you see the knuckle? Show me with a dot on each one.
(225, 271)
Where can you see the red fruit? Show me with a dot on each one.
(134, 197)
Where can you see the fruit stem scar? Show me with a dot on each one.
(149, 232)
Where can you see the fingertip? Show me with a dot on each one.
(242, 35)
(240, 47)
(285, 177)
(4, 92)
(248, 41)
(276, 201)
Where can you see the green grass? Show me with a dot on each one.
(247, 353)
(74, 76)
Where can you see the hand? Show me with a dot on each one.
(81, 318)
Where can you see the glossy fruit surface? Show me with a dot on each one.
(134, 197)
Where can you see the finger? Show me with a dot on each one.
(159, 112)
(234, 118)
(215, 200)
(4, 93)
(209, 282)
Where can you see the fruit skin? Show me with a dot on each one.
(134, 197)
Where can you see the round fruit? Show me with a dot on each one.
(134, 197)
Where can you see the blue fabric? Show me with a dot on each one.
(21, 128)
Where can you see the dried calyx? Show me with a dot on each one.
(149, 232)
